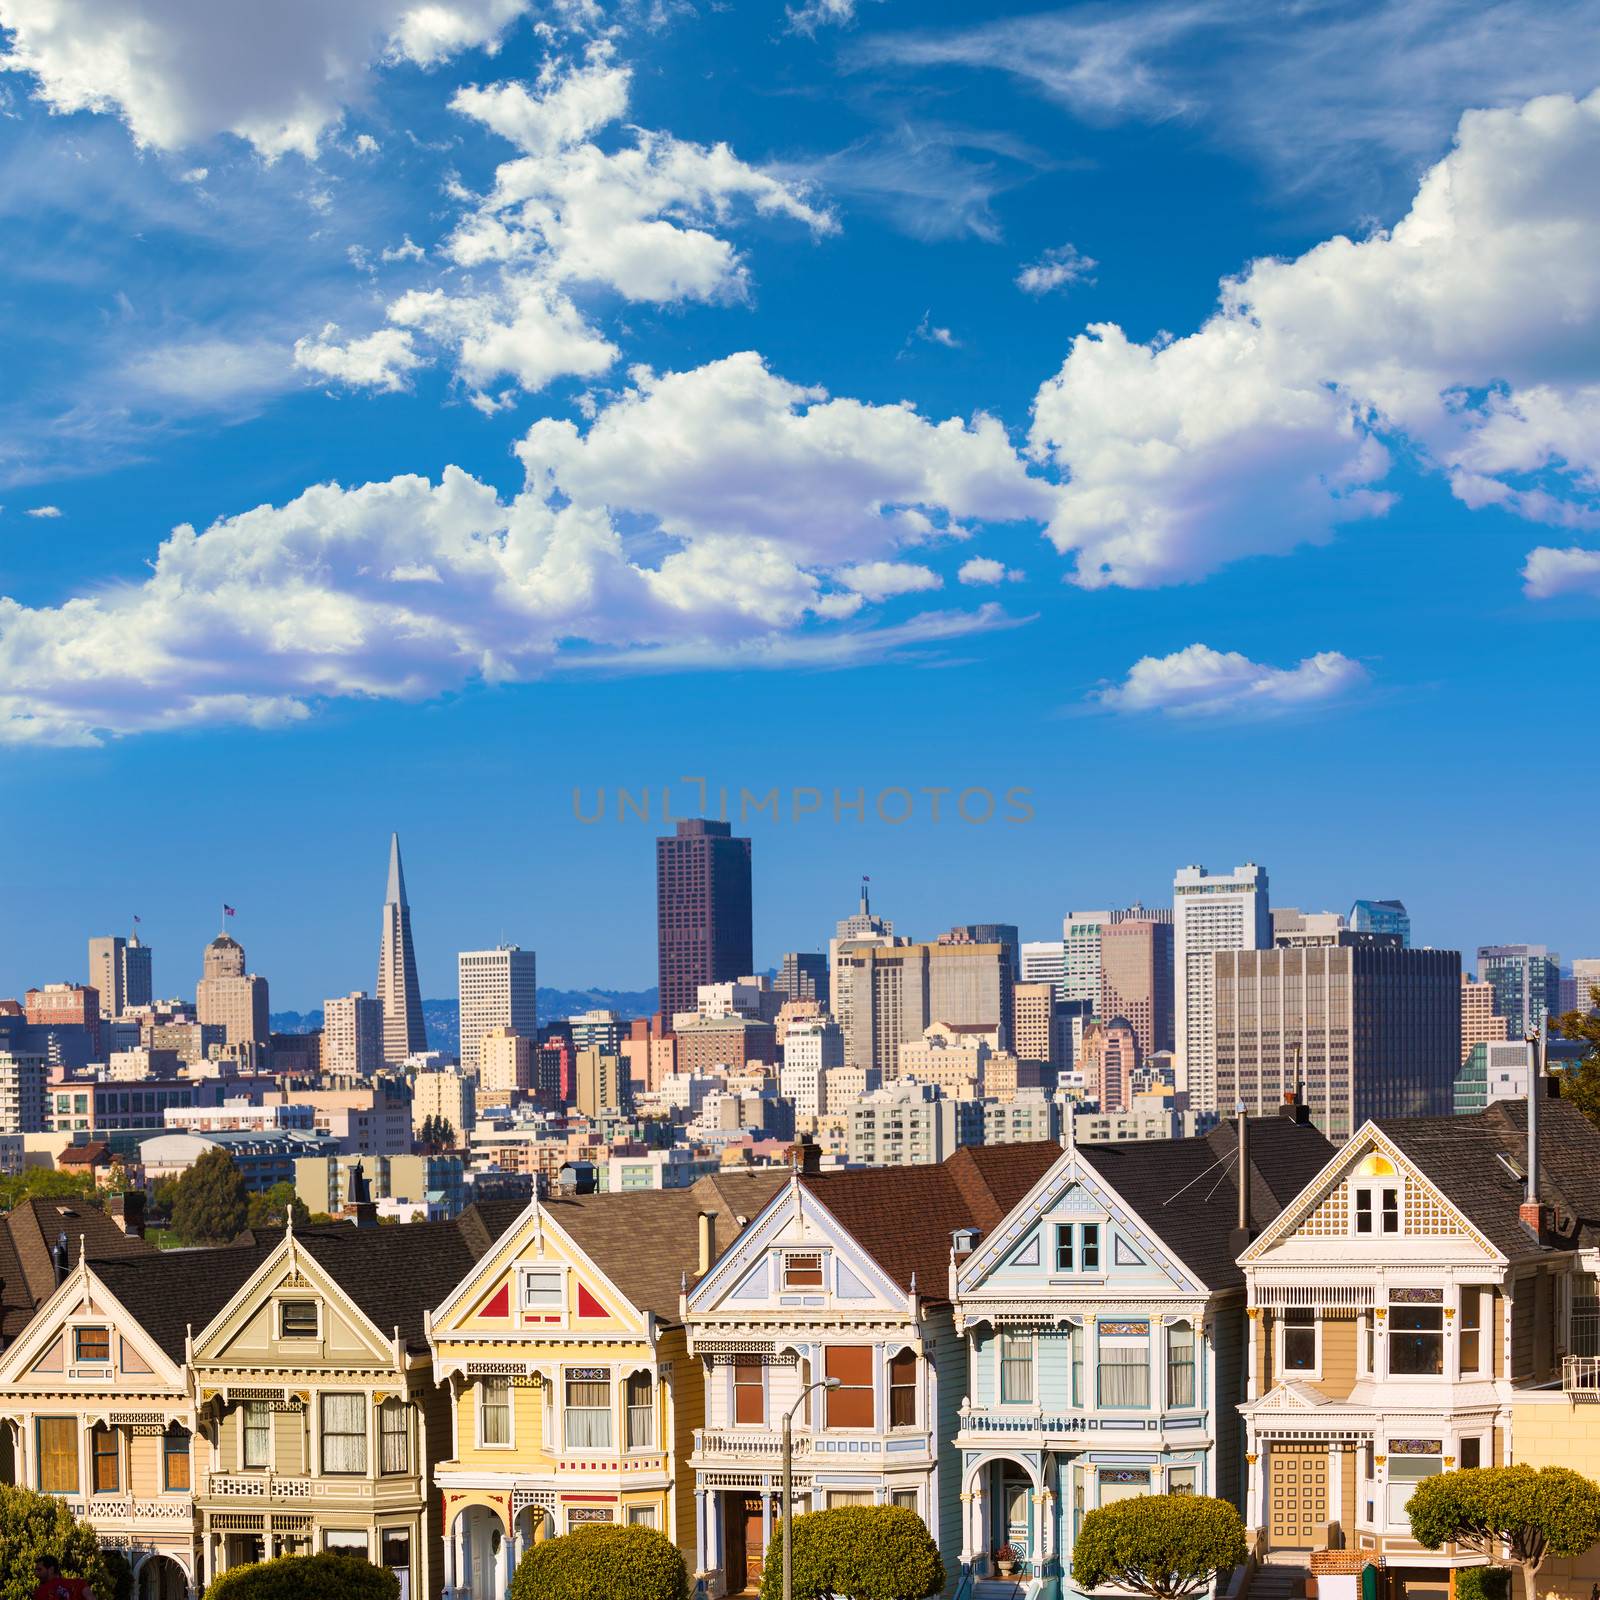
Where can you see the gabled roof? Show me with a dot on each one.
(903, 1217)
(1186, 1190)
(391, 1273)
(27, 1234)
(646, 1242)
(1462, 1157)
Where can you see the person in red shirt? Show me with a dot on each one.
(52, 1586)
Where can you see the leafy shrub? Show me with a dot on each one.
(1483, 1583)
(859, 1552)
(1163, 1545)
(34, 1525)
(606, 1561)
(322, 1577)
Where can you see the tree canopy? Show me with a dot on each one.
(327, 1576)
(34, 1525)
(1581, 1084)
(859, 1552)
(271, 1207)
(1526, 1512)
(605, 1561)
(44, 1183)
(210, 1205)
(1161, 1545)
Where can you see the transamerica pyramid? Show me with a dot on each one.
(398, 994)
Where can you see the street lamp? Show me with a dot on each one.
(788, 1480)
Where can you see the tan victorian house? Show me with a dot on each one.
(1399, 1308)
(314, 1393)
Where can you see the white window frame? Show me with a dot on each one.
(1195, 1467)
(1485, 1330)
(612, 1385)
(525, 1276)
(1032, 1342)
(640, 1516)
(1167, 1331)
(479, 1407)
(246, 1465)
(784, 1258)
(734, 1387)
(1372, 1190)
(627, 1413)
(298, 1340)
(1311, 1374)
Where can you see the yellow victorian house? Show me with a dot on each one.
(573, 1398)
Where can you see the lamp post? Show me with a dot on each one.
(788, 1481)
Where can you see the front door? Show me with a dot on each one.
(1297, 1494)
(745, 1544)
(754, 1540)
(1017, 1500)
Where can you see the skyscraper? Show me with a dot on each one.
(1211, 911)
(1045, 961)
(397, 991)
(703, 916)
(228, 997)
(1136, 980)
(1000, 933)
(497, 989)
(1366, 1028)
(862, 929)
(1585, 980)
(1527, 984)
(1381, 916)
(120, 969)
(1479, 1024)
(803, 975)
(1080, 939)
(352, 1035)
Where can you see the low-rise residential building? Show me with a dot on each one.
(263, 1159)
(1406, 1308)
(911, 1124)
(844, 1277)
(571, 1392)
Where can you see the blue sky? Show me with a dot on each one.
(1188, 414)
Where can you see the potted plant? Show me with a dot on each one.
(1005, 1561)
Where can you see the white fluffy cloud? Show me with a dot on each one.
(1199, 681)
(711, 516)
(1549, 573)
(44, 511)
(984, 570)
(383, 360)
(1472, 329)
(1058, 267)
(278, 75)
(641, 222)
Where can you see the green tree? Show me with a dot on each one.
(862, 1552)
(320, 1577)
(1162, 1545)
(1516, 1516)
(605, 1561)
(34, 1525)
(271, 1208)
(44, 1183)
(1581, 1084)
(210, 1205)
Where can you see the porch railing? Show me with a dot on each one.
(1021, 1422)
(735, 1443)
(1580, 1377)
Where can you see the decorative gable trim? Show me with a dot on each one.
(1321, 1200)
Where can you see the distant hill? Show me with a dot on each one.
(443, 1017)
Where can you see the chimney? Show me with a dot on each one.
(805, 1156)
(1536, 1216)
(61, 1257)
(1294, 1108)
(1240, 1235)
(127, 1211)
(708, 1242)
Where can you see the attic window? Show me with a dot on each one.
(297, 1319)
(802, 1271)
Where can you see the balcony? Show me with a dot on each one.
(1580, 1377)
(744, 1444)
(258, 1488)
(1025, 1424)
(101, 1511)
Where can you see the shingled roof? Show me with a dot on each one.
(904, 1216)
(648, 1242)
(27, 1234)
(1186, 1190)
(1479, 1163)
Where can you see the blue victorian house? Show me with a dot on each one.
(1104, 1325)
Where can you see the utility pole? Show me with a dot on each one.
(787, 1433)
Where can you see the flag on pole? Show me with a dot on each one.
(228, 910)
(136, 917)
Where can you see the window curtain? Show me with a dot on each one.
(1180, 1365)
(1125, 1374)
(344, 1433)
(58, 1455)
(496, 1411)
(392, 1436)
(641, 1412)
(588, 1413)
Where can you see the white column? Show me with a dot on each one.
(1256, 1466)
(507, 1567)
(450, 1562)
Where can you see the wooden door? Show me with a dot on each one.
(1297, 1491)
(754, 1542)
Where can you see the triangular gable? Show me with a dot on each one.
(486, 1303)
(42, 1348)
(242, 1328)
(1319, 1211)
(1071, 1187)
(795, 1220)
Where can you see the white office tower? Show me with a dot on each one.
(498, 989)
(1080, 939)
(1212, 911)
(812, 1046)
(1045, 961)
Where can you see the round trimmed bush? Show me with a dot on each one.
(605, 1561)
(322, 1577)
(34, 1525)
(859, 1553)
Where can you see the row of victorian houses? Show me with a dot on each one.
(1001, 1343)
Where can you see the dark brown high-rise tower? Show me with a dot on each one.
(702, 911)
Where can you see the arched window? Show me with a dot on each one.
(1376, 1196)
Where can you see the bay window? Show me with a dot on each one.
(1471, 1335)
(1406, 1471)
(1416, 1341)
(851, 1404)
(641, 1411)
(104, 1460)
(749, 1392)
(57, 1439)
(394, 1454)
(1180, 1364)
(1299, 1340)
(1124, 1368)
(494, 1412)
(256, 1427)
(1016, 1369)
(344, 1434)
(903, 1390)
(175, 1459)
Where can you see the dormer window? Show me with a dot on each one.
(297, 1319)
(1377, 1196)
(802, 1271)
(543, 1290)
(92, 1344)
